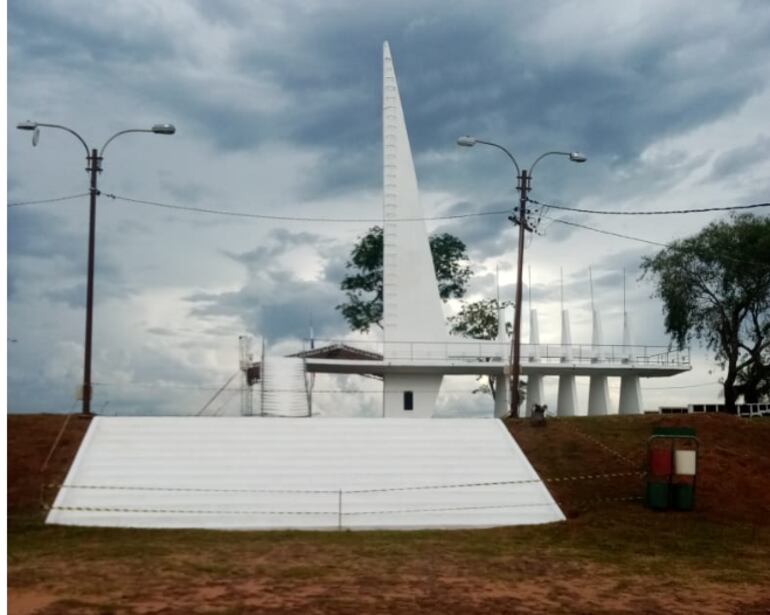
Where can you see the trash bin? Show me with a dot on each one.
(672, 459)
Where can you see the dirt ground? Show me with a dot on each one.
(609, 557)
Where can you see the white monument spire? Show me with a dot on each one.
(412, 306)
(412, 310)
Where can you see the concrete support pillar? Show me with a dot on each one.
(566, 404)
(598, 389)
(630, 387)
(502, 396)
(534, 392)
(630, 395)
(598, 396)
(534, 383)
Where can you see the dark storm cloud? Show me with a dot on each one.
(326, 62)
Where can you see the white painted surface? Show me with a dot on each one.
(566, 400)
(283, 391)
(263, 456)
(598, 396)
(535, 394)
(598, 388)
(684, 462)
(424, 389)
(630, 395)
(411, 303)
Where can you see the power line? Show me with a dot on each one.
(658, 212)
(243, 214)
(604, 232)
(647, 241)
(684, 386)
(54, 200)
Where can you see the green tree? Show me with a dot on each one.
(363, 285)
(715, 288)
(478, 320)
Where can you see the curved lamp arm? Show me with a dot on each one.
(541, 156)
(117, 134)
(573, 156)
(507, 153)
(158, 129)
(34, 125)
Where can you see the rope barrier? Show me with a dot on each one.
(630, 498)
(592, 476)
(288, 512)
(605, 447)
(193, 512)
(348, 491)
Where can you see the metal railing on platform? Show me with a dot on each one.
(491, 351)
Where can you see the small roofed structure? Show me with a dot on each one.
(339, 351)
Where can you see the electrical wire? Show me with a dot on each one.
(243, 214)
(604, 232)
(54, 200)
(658, 212)
(647, 241)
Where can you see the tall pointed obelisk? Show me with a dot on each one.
(412, 309)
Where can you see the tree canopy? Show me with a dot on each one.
(478, 320)
(715, 288)
(363, 285)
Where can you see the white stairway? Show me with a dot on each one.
(318, 473)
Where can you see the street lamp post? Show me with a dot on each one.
(94, 159)
(524, 179)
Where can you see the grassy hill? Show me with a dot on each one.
(611, 556)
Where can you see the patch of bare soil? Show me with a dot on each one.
(733, 482)
(31, 439)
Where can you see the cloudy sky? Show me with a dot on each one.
(278, 111)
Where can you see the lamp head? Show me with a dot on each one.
(466, 141)
(577, 157)
(164, 129)
(26, 125)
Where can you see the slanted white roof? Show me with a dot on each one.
(269, 473)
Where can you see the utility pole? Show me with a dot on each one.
(523, 188)
(524, 178)
(94, 162)
(94, 158)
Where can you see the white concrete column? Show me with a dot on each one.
(630, 396)
(598, 389)
(598, 396)
(566, 404)
(630, 387)
(502, 396)
(535, 393)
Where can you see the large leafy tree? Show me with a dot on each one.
(363, 285)
(715, 288)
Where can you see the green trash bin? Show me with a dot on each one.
(684, 496)
(657, 496)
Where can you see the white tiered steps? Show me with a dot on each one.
(319, 473)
